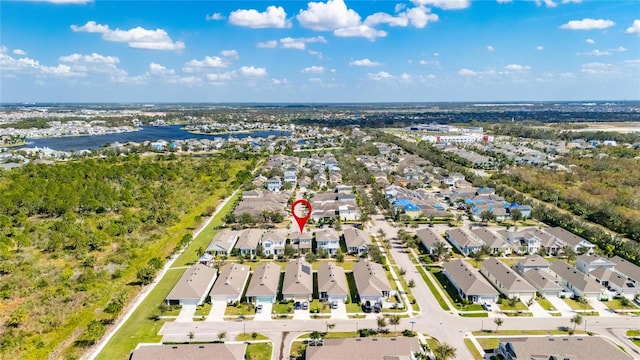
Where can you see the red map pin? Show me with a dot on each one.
(300, 217)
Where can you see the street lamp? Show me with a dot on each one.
(412, 322)
(244, 328)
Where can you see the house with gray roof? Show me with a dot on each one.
(576, 282)
(298, 280)
(530, 262)
(302, 242)
(628, 270)
(506, 280)
(357, 241)
(223, 242)
(496, 244)
(462, 241)
(560, 347)
(371, 281)
(367, 348)
(230, 283)
(248, 241)
(193, 286)
(332, 282)
(545, 283)
(264, 283)
(587, 263)
(429, 239)
(328, 239)
(525, 241)
(189, 352)
(274, 241)
(564, 237)
(468, 282)
(614, 282)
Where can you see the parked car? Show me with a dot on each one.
(297, 305)
(258, 309)
(486, 306)
(377, 308)
(334, 304)
(305, 306)
(366, 307)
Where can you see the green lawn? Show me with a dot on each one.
(473, 350)
(247, 337)
(546, 304)
(353, 308)
(322, 307)
(616, 304)
(576, 305)
(524, 332)
(240, 309)
(474, 314)
(286, 308)
(432, 343)
(334, 335)
(139, 327)
(488, 343)
(633, 333)
(297, 347)
(203, 310)
(259, 351)
(451, 292)
(519, 306)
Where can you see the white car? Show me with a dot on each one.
(486, 306)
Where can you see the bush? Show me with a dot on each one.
(408, 333)
(367, 332)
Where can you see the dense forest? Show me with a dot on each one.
(77, 239)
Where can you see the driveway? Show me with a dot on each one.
(601, 308)
(340, 312)
(186, 314)
(538, 311)
(560, 305)
(301, 315)
(265, 315)
(218, 308)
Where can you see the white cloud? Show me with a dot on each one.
(539, 47)
(490, 48)
(214, 17)
(380, 76)
(209, 62)
(91, 58)
(634, 28)
(399, 7)
(268, 44)
(549, 3)
(596, 68)
(384, 18)
(19, 52)
(252, 71)
(273, 17)
(587, 24)
(467, 72)
(595, 52)
(420, 16)
(28, 66)
(364, 62)
(360, 31)
(229, 53)
(157, 69)
(571, 1)
(517, 67)
(590, 41)
(138, 37)
(444, 4)
(284, 81)
(218, 77)
(300, 43)
(328, 16)
(93, 63)
(313, 69)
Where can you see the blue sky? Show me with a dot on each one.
(324, 51)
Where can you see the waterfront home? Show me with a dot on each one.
(264, 283)
(468, 282)
(230, 283)
(506, 280)
(332, 282)
(193, 286)
(371, 281)
(298, 281)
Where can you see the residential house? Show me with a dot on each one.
(260, 201)
(614, 282)
(302, 242)
(546, 284)
(189, 351)
(524, 242)
(193, 286)
(274, 184)
(298, 281)
(560, 347)
(230, 283)
(371, 281)
(357, 241)
(462, 241)
(321, 180)
(627, 270)
(328, 239)
(264, 283)
(223, 242)
(290, 175)
(572, 240)
(429, 239)
(587, 263)
(274, 241)
(332, 282)
(507, 281)
(497, 245)
(530, 262)
(468, 282)
(574, 281)
(366, 348)
(248, 241)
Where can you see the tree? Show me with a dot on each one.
(289, 251)
(191, 335)
(411, 284)
(576, 320)
(95, 329)
(254, 335)
(260, 250)
(394, 320)
(146, 275)
(498, 321)
(310, 257)
(516, 215)
(200, 251)
(444, 352)
(222, 336)
(440, 250)
(382, 322)
(569, 253)
(487, 216)
(339, 256)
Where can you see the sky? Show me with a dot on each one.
(324, 51)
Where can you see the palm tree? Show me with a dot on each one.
(440, 249)
(444, 352)
(200, 251)
(394, 320)
(576, 320)
(498, 321)
(191, 335)
(222, 336)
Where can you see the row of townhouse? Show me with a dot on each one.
(200, 281)
(340, 203)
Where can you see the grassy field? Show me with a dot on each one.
(247, 337)
(139, 327)
(615, 304)
(259, 351)
(575, 305)
(322, 307)
(240, 309)
(519, 306)
(353, 308)
(286, 308)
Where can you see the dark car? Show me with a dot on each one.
(297, 305)
(366, 307)
(377, 308)
(258, 309)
